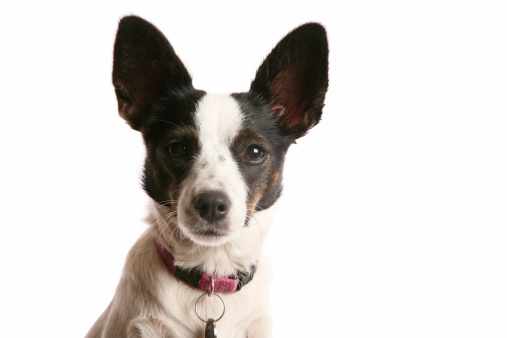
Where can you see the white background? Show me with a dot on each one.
(393, 221)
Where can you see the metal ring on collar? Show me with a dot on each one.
(197, 313)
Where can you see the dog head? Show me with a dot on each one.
(213, 159)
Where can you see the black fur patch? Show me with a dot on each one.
(171, 120)
(261, 128)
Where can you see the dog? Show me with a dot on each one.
(213, 172)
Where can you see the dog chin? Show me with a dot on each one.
(209, 240)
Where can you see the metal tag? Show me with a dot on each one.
(211, 330)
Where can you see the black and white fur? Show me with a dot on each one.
(213, 171)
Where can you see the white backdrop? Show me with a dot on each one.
(393, 221)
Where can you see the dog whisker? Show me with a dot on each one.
(163, 221)
(260, 232)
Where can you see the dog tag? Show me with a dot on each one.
(211, 330)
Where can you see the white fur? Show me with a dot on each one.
(219, 120)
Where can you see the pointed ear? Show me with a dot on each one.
(294, 78)
(145, 67)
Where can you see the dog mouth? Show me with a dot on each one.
(210, 231)
(208, 235)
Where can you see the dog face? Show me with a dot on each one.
(216, 159)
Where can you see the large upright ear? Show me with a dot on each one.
(145, 67)
(294, 78)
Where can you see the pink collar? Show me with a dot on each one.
(202, 280)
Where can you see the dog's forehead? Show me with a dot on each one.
(218, 118)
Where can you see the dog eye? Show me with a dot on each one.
(176, 150)
(254, 154)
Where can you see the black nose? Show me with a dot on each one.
(212, 206)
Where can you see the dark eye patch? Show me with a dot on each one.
(250, 148)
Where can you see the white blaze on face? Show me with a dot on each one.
(219, 120)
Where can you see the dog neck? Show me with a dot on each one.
(193, 277)
(238, 254)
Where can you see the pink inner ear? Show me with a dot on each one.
(290, 104)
